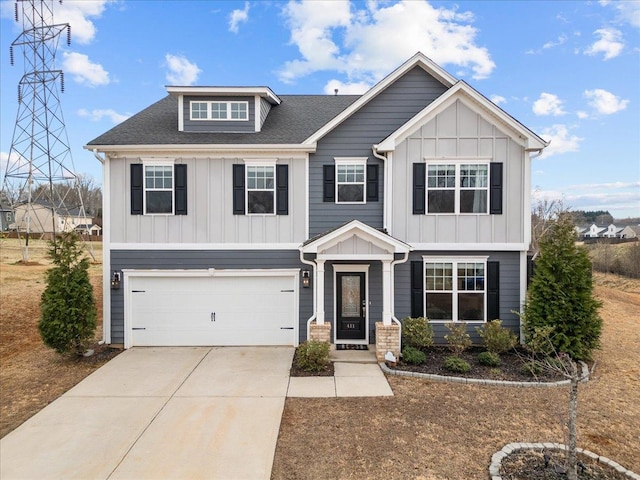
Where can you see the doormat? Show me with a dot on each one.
(342, 346)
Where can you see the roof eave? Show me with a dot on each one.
(206, 148)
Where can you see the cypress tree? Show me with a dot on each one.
(561, 295)
(68, 311)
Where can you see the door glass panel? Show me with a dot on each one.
(350, 296)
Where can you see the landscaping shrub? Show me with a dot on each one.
(413, 355)
(68, 311)
(497, 339)
(532, 368)
(490, 359)
(312, 355)
(561, 293)
(457, 338)
(417, 332)
(456, 364)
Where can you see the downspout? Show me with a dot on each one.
(313, 266)
(393, 298)
(105, 282)
(386, 174)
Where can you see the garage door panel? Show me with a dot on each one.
(225, 310)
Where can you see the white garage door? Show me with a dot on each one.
(203, 311)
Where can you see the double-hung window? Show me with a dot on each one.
(455, 289)
(261, 189)
(351, 180)
(457, 187)
(158, 189)
(219, 110)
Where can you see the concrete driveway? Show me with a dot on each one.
(154, 413)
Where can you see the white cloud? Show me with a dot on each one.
(83, 70)
(96, 115)
(560, 40)
(605, 103)
(618, 197)
(181, 70)
(354, 88)
(628, 12)
(561, 141)
(237, 17)
(498, 99)
(548, 104)
(610, 43)
(366, 44)
(582, 114)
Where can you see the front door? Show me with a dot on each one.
(351, 315)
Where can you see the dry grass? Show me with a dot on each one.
(449, 431)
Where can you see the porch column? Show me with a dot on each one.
(386, 292)
(319, 281)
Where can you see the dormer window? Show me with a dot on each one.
(219, 110)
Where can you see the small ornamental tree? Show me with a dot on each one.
(560, 296)
(68, 311)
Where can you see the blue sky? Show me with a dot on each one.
(570, 70)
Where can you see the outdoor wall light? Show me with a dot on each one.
(306, 280)
(115, 281)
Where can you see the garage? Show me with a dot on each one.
(211, 308)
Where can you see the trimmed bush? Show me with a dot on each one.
(490, 359)
(312, 355)
(458, 338)
(413, 355)
(417, 332)
(68, 311)
(456, 364)
(497, 339)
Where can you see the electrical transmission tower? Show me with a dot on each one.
(39, 180)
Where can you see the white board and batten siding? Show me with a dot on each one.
(207, 308)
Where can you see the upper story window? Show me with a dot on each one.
(457, 188)
(261, 183)
(158, 189)
(219, 110)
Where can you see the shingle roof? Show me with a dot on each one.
(291, 122)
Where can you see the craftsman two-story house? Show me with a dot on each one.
(237, 216)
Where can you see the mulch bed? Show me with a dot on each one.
(530, 465)
(509, 369)
(298, 372)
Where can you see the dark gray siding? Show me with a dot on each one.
(218, 126)
(355, 138)
(203, 259)
(509, 290)
(265, 107)
(374, 277)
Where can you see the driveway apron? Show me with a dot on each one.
(151, 413)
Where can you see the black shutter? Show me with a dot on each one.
(419, 188)
(238, 189)
(495, 188)
(372, 183)
(282, 189)
(328, 183)
(180, 191)
(493, 290)
(137, 190)
(417, 289)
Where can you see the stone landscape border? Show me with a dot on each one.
(481, 381)
(496, 459)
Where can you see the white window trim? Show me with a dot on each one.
(228, 118)
(146, 164)
(455, 291)
(457, 162)
(341, 161)
(259, 163)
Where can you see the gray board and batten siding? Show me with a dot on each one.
(355, 137)
(508, 289)
(205, 259)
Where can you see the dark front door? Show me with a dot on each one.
(351, 315)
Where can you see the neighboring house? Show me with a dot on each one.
(42, 217)
(236, 216)
(594, 231)
(88, 229)
(600, 231)
(630, 231)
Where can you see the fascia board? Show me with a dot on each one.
(264, 92)
(354, 227)
(473, 99)
(418, 59)
(205, 148)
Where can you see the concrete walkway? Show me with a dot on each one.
(183, 413)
